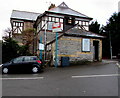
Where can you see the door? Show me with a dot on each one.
(27, 64)
(96, 50)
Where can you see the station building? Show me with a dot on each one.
(74, 40)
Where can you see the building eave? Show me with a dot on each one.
(22, 19)
(83, 36)
(48, 12)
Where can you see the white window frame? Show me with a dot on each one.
(85, 45)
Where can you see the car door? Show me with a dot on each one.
(17, 64)
(26, 64)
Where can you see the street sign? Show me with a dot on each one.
(41, 46)
(56, 27)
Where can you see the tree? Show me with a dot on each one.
(29, 39)
(9, 49)
(94, 27)
(28, 36)
(24, 50)
(7, 33)
(112, 31)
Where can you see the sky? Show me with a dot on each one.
(100, 10)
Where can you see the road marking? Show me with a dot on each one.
(118, 65)
(25, 78)
(1, 65)
(90, 76)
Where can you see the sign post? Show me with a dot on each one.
(56, 49)
(41, 48)
(56, 27)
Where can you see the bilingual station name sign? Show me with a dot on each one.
(56, 27)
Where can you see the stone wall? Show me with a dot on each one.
(72, 47)
(28, 24)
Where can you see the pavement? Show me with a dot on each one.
(109, 60)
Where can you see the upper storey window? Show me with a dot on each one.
(47, 23)
(70, 20)
(18, 27)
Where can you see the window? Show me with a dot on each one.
(27, 59)
(18, 26)
(50, 19)
(70, 20)
(56, 19)
(34, 58)
(47, 22)
(18, 60)
(30, 58)
(76, 22)
(50, 25)
(53, 19)
(85, 45)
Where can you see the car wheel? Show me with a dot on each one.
(5, 70)
(35, 69)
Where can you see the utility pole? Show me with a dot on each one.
(110, 45)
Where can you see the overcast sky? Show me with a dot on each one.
(99, 10)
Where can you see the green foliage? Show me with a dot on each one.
(112, 30)
(24, 50)
(10, 50)
(28, 34)
(94, 27)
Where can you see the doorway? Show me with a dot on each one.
(96, 50)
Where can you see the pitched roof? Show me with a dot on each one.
(24, 15)
(80, 31)
(64, 9)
